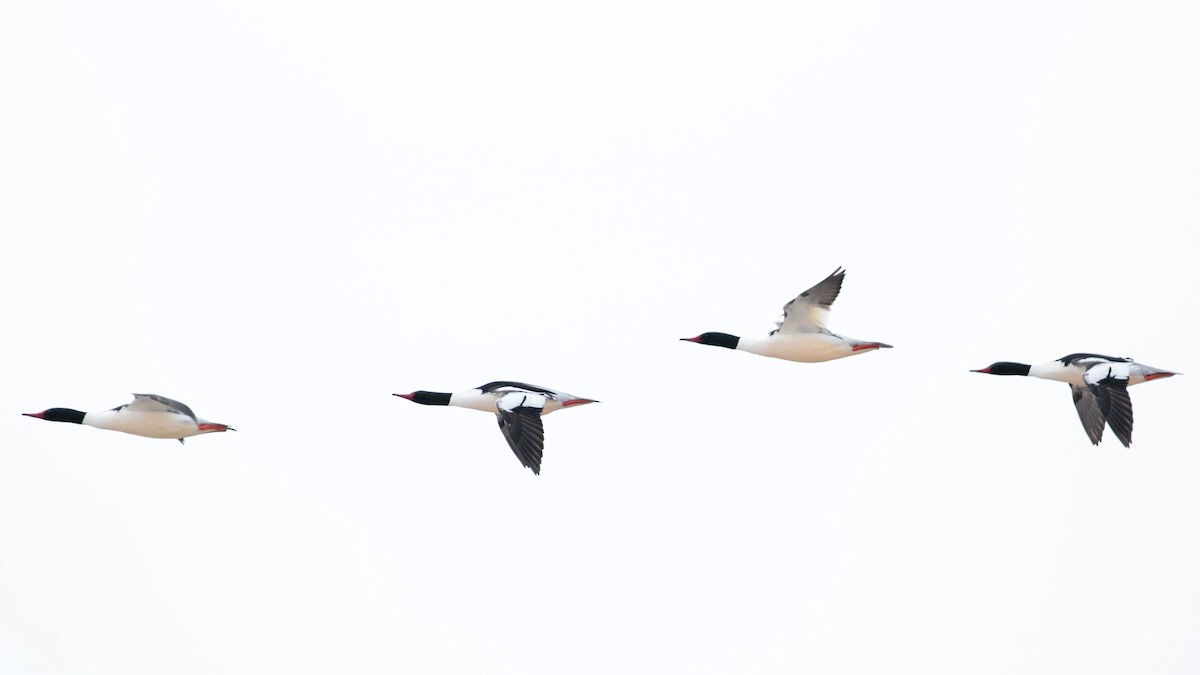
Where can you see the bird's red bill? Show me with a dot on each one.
(866, 345)
(1158, 376)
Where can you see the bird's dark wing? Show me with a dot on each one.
(156, 403)
(1109, 382)
(1089, 413)
(520, 417)
(809, 311)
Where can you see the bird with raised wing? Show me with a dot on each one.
(149, 415)
(1099, 386)
(802, 334)
(518, 408)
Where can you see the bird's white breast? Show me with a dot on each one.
(152, 424)
(802, 347)
(1056, 370)
(475, 400)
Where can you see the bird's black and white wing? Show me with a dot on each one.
(1087, 359)
(520, 417)
(809, 311)
(1109, 382)
(503, 387)
(156, 403)
(1089, 413)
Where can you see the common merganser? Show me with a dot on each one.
(148, 415)
(518, 408)
(801, 335)
(1099, 386)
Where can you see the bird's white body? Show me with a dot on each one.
(148, 423)
(487, 401)
(805, 347)
(1073, 373)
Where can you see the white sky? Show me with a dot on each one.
(282, 212)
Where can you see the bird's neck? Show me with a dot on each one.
(1011, 368)
(721, 340)
(431, 398)
(64, 415)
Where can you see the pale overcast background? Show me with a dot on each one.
(281, 213)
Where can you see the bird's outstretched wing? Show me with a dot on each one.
(809, 311)
(156, 403)
(1089, 413)
(1109, 382)
(520, 417)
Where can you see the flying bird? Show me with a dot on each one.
(148, 415)
(1099, 386)
(801, 335)
(518, 408)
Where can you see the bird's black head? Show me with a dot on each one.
(59, 415)
(1005, 368)
(716, 339)
(427, 397)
